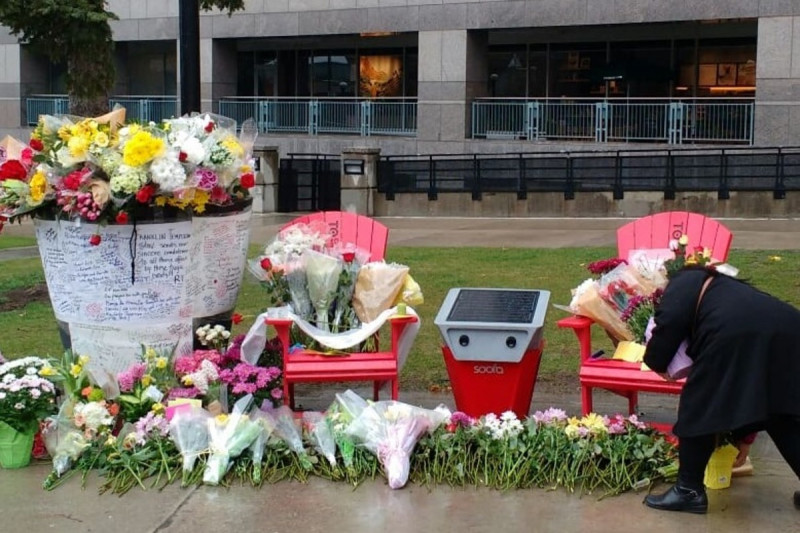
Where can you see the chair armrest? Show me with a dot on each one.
(582, 326)
(398, 324)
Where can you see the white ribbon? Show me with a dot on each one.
(256, 338)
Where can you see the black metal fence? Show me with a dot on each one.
(670, 171)
(309, 182)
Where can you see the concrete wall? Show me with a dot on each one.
(601, 204)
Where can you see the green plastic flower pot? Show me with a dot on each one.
(15, 447)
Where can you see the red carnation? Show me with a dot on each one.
(36, 144)
(144, 194)
(348, 257)
(266, 264)
(237, 318)
(73, 180)
(209, 127)
(248, 180)
(122, 217)
(94, 240)
(12, 170)
(182, 157)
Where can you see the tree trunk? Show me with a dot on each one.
(90, 76)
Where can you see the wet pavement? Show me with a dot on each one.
(761, 502)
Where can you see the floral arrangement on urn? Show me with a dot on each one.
(103, 170)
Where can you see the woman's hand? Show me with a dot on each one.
(666, 376)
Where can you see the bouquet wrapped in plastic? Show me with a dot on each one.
(322, 277)
(229, 436)
(189, 431)
(390, 430)
(320, 434)
(340, 414)
(64, 442)
(287, 431)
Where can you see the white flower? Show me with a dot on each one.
(2, 395)
(19, 406)
(673, 245)
(168, 172)
(31, 371)
(35, 393)
(193, 148)
(92, 415)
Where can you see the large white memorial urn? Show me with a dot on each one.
(150, 283)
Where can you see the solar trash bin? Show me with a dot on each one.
(493, 346)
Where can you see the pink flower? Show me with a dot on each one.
(205, 179)
(276, 393)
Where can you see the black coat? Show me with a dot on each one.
(745, 345)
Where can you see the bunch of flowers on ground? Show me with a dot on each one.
(355, 440)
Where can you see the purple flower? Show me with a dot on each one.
(183, 392)
(276, 393)
(462, 419)
(205, 179)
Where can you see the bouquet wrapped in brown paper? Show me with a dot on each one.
(587, 301)
(377, 287)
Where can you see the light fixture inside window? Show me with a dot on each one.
(515, 62)
(353, 167)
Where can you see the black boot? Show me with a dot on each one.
(680, 498)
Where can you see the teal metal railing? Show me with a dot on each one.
(140, 108)
(314, 116)
(698, 120)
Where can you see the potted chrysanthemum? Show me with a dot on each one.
(25, 398)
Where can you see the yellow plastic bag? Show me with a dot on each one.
(411, 293)
(720, 467)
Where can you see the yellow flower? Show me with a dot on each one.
(111, 440)
(706, 253)
(232, 145)
(595, 423)
(150, 354)
(141, 149)
(84, 359)
(221, 419)
(64, 133)
(161, 363)
(187, 381)
(47, 370)
(158, 408)
(37, 188)
(684, 240)
(774, 258)
(78, 145)
(147, 379)
(101, 139)
(75, 371)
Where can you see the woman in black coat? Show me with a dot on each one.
(745, 347)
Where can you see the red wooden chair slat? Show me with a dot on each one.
(302, 366)
(650, 232)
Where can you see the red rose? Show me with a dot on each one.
(122, 217)
(348, 257)
(237, 318)
(209, 127)
(248, 180)
(13, 170)
(36, 144)
(73, 180)
(182, 157)
(144, 194)
(266, 264)
(94, 240)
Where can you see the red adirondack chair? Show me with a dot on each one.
(378, 367)
(650, 232)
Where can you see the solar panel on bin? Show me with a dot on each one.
(516, 307)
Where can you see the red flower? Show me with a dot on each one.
(266, 264)
(122, 217)
(182, 157)
(237, 318)
(248, 180)
(113, 409)
(144, 194)
(209, 127)
(94, 240)
(36, 144)
(451, 427)
(86, 391)
(13, 170)
(348, 257)
(73, 180)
